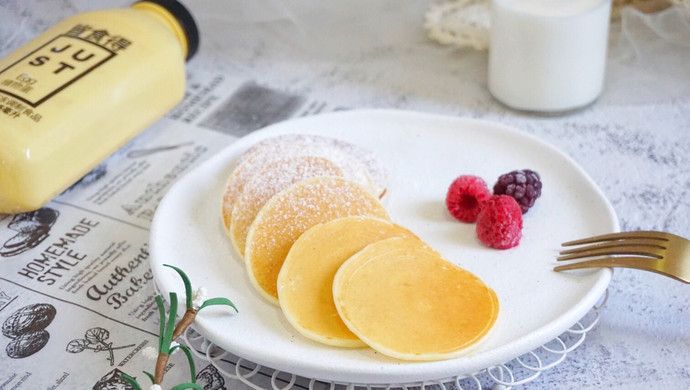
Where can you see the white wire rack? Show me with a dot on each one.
(521, 370)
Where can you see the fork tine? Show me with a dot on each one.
(623, 261)
(648, 251)
(641, 263)
(645, 234)
(633, 242)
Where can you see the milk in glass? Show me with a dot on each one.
(548, 55)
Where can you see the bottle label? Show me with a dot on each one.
(54, 66)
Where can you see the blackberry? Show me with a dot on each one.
(524, 185)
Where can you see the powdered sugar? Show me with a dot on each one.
(377, 171)
(291, 212)
(272, 150)
(270, 181)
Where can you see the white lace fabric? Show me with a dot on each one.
(462, 23)
(466, 23)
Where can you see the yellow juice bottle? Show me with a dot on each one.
(79, 91)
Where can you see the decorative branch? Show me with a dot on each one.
(169, 332)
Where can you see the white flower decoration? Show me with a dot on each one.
(198, 297)
(150, 353)
(155, 387)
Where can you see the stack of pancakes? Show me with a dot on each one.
(304, 212)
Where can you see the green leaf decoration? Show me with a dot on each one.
(190, 359)
(170, 327)
(183, 386)
(187, 285)
(161, 331)
(131, 381)
(218, 301)
(151, 377)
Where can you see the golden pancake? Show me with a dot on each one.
(290, 213)
(261, 157)
(305, 281)
(405, 301)
(273, 179)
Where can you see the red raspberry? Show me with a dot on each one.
(465, 197)
(499, 224)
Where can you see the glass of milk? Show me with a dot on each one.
(548, 56)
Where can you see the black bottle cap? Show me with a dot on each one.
(184, 17)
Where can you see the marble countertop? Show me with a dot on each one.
(634, 141)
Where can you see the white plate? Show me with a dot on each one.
(423, 154)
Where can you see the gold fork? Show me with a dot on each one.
(663, 253)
